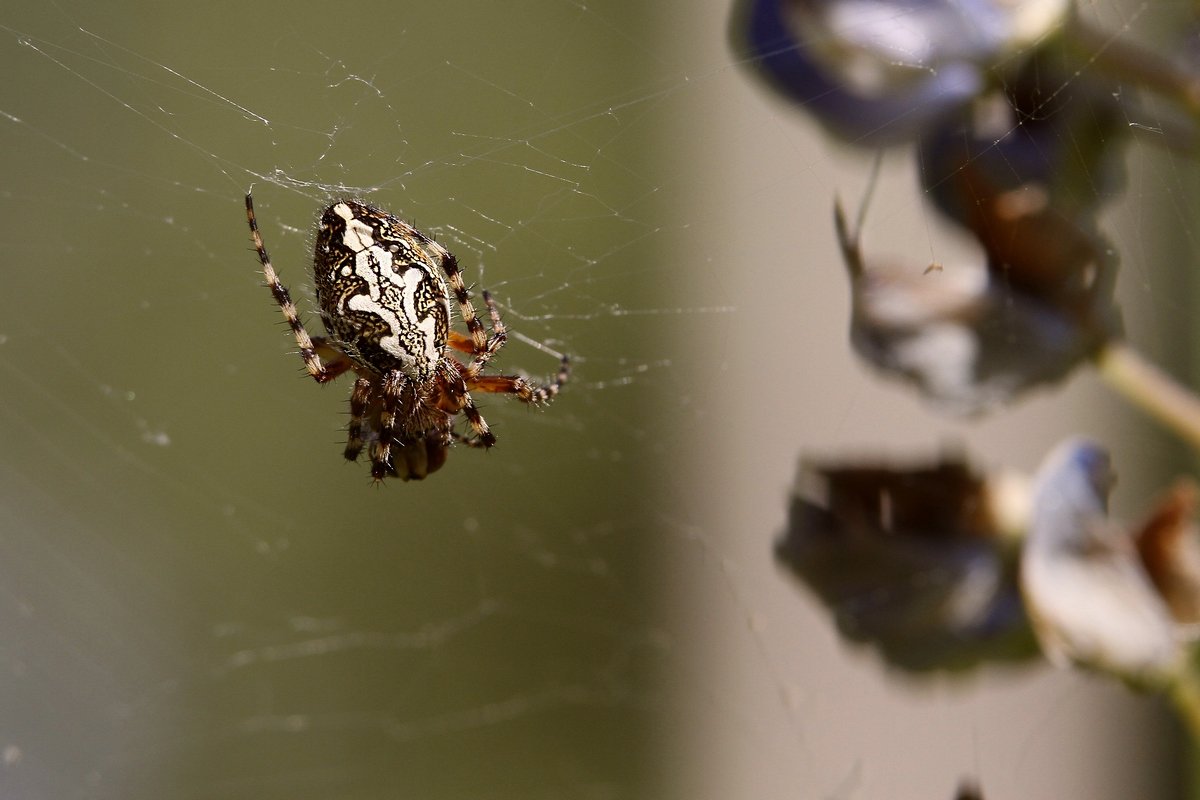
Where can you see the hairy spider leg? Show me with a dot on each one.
(522, 388)
(360, 400)
(392, 392)
(503, 384)
(449, 266)
(308, 352)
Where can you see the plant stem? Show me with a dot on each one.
(1151, 389)
(1185, 695)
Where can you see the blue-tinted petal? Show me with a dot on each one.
(876, 73)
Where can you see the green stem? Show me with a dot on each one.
(1185, 695)
(1151, 389)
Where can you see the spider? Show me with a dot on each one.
(386, 310)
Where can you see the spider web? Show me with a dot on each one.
(199, 599)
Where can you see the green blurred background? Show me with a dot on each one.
(201, 598)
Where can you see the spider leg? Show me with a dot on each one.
(466, 344)
(452, 397)
(479, 339)
(381, 448)
(483, 436)
(472, 441)
(497, 340)
(360, 399)
(520, 387)
(461, 343)
(336, 362)
(502, 384)
(308, 351)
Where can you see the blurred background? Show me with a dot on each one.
(200, 599)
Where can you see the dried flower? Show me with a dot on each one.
(973, 338)
(922, 563)
(918, 562)
(1089, 597)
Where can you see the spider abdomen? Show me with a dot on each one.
(380, 291)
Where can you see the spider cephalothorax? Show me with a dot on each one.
(386, 309)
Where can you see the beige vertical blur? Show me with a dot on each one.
(770, 703)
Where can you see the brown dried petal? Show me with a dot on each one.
(1169, 545)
